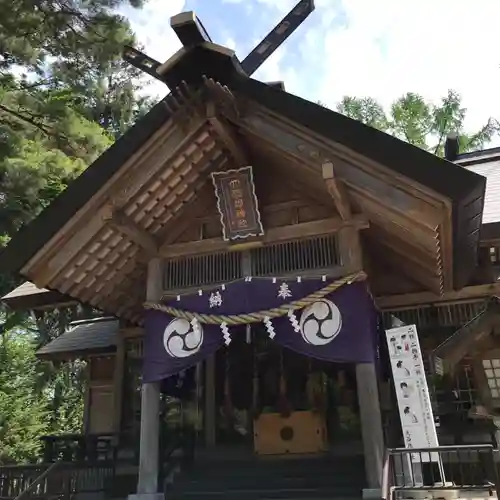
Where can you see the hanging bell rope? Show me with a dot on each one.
(259, 316)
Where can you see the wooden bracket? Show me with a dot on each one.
(227, 136)
(184, 105)
(125, 225)
(273, 235)
(224, 98)
(337, 190)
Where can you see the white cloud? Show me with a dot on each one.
(390, 47)
(151, 25)
(380, 49)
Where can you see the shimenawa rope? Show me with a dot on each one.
(257, 317)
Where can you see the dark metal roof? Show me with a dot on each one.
(465, 189)
(83, 337)
(487, 164)
(478, 156)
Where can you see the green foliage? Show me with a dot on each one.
(420, 123)
(36, 397)
(65, 96)
(22, 412)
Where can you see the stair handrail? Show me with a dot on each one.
(38, 480)
(386, 486)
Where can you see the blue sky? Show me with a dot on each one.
(380, 48)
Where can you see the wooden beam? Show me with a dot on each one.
(134, 173)
(409, 251)
(185, 217)
(226, 134)
(125, 225)
(391, 302)
(69, 249)
(336, 190)
(351, 250)
(273, 235)
(428, 278)
(495, 242)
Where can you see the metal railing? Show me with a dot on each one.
(465, 467)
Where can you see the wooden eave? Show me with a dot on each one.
(99, 256)
(28, 297)
(93, 242)
(417, 299)
(410, 226)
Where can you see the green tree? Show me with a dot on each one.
(65, 95)
(420, 123)
(23, 411)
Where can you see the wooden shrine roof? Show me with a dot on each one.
(83, 338)
(424, 212)
(29, 296)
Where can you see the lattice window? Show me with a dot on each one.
(282, 259)
(295, 256)
(492, 372)
(199, 270)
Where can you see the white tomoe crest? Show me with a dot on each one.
(181, 339)
(320, 323)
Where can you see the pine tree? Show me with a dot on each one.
(23, 411)
(420, 123)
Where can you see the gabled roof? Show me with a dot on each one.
(462, 189)
(83, 338)
(29, 296)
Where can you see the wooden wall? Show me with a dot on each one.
(100, 401)
(281, 203)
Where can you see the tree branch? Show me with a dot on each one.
(43, 128)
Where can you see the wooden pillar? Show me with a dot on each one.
(118, 378)
(150, 407)
(210, 403)
(367, 383)
(350, 249)
(371, 424)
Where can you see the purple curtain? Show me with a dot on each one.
(341, 327)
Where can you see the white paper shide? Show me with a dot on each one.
(415, 410)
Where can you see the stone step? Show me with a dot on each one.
(290, 465)
(195, 482)
(267, 478)
(261, 494)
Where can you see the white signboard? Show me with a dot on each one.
(415, 410)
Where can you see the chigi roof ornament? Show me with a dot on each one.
(191, 32)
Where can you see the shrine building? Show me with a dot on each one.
(245, 249)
